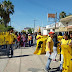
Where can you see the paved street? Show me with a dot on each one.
(25, 61)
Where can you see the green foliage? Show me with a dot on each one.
(62, 15)
(6, 8)
(23, 31)
(9, 27)
(30, 31)
(3, 28)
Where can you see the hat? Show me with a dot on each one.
(51, 33)
(28, 34)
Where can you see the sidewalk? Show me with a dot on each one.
(25, 61)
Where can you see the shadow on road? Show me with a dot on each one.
(55, 70)
(21, 56)
(37, 70)
(14, 56)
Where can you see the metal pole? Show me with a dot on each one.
(55, 20)
(47, 18)
(34, 23)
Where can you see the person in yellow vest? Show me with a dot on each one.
(38, 37)
(49, 49)
(29, 40)
(65, 41)
(11, 42)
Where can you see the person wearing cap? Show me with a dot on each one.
(49, 49)
(29, 40)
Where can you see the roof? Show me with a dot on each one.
(51, 28)
(68, 18)
(27, 28)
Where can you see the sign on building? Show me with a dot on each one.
(51, 15)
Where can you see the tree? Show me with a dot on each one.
(23, 31)
(6, 8)
(30, 31)
(9, 27)
(1, 21)
(3, 28)
(62, 15)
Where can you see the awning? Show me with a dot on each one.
(66, 19)
(63, 29)
(57, 30)
(69, 29)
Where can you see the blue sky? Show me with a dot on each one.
(28, 10)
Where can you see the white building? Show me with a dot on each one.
(26, 29)
(51, 27)
(65, 25)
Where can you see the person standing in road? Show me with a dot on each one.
(71, 36)
(55, 47)
(16, 40)
(19, 39)
(24, 40)
(29, 40)
(32, 40)
(65, 41)
(49, 49)
(11, 42)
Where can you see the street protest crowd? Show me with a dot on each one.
(10, 40)
(56, 44)
(51, 45)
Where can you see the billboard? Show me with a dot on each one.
(51, 15)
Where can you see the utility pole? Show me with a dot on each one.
(55, 20)
(34, 23)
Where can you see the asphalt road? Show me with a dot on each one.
(25, 61)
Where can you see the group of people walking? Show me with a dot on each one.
(24, 39)
(59, 44)
(18, 40)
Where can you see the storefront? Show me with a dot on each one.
(67, 23)
(64, 29)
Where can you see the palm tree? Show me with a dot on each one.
(1, 10)
(7, 8)
(62, 15)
